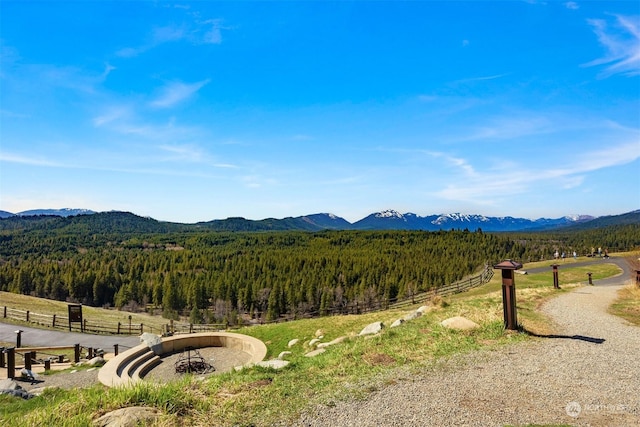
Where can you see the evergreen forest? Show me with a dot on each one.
(222, 276)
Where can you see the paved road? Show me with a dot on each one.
(615, 280)
(33, 337)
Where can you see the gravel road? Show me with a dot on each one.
(586, 375)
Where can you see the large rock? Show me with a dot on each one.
(284, 354)
(372, 328)
(313, 342)
(397, 323)
(273, 364)
(459, 323)
(425, 309)
(413, 315)
(330, 343)
(153, 341)
(96, 361)
(128, 417)
(10, 387)
(314, 353)
(9, 384)
(293, 342)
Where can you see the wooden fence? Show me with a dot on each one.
(374, 306)
(55, 321)
(62, 322)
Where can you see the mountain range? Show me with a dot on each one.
(385, 220)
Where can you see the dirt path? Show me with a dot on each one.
(587, 375)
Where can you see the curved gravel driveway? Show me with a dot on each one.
(586, 375)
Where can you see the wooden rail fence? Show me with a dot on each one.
(62, 322)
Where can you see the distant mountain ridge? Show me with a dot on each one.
(65, 212)
(384, 220)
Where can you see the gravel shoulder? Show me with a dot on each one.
(588, 374)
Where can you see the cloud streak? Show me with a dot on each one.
(177, 92)
(476, 186)
(622, 42)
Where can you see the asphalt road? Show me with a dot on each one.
(33, 337)
(614, 280)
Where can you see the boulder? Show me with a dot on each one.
(293, 342)
(330, 343)
(96, 361)
(372, 328)
(273, 364)
(9, 384)
(319, 333)
(314, 353)
(424, 309)
(397, 323)
(153, 341)
(412, 315)
(459, 323)
(284, 354)
(17, 393)
(313, 342)
(128, 417)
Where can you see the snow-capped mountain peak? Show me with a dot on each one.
(458, 217)
(389, 213)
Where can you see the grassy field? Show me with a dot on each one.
(93, 315)
(353, 369)
(627, 305)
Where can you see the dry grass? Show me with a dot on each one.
(627, 305)
(93, 315)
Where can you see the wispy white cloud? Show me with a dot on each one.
(501, 128)
(166, 34)
(197, 32)
(479, 79)
(622, 42)
(572, 5)
(111, 115)
(13, 114)
(176, 92)
(513, 178)
(214, 34)
(28, 160)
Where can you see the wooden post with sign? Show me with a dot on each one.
(509, 292)
(75, 315)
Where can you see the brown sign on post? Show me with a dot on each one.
(509, 292)
(75, 315)
(556, 282)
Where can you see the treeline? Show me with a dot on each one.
(219, 276)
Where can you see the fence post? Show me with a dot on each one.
(11, 363)
(27, 315)
(83, 325)
(2, 349)
(27, 360)
(115, 349)
(76, 353)
(118, 328)
(5, 312)
(47, 364)
(53, 325)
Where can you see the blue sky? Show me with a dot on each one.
(193, 111)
